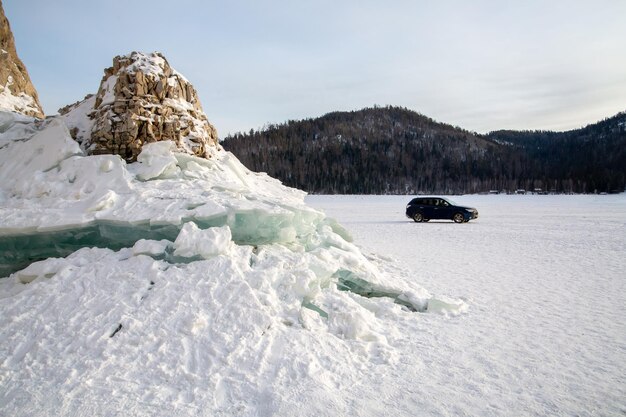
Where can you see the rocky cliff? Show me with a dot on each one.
(141, 99)
(17, 92)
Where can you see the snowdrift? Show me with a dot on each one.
(177, 281)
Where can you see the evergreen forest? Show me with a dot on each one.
(393, 150)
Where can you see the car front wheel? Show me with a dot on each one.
(458, 218)
(418, 217)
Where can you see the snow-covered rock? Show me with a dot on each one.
(17, 93)
(141, 99)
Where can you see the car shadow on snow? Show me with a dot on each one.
(451, 223)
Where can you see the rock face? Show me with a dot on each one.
(142, 99)
(17, 92)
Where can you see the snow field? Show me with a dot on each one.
(183, 286)
(544, 280)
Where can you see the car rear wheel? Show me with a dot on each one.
(458, 218)
(418, 217)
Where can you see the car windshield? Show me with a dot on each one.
(453, 203)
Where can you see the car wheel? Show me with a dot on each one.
(418, 217)
(458, 218)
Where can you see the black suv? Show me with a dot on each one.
(422, 209)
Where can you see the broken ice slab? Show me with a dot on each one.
(309, 304)
(252, 227)
(20, 250)
(349, 281)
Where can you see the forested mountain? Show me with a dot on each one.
(392, 150)
(591, 159)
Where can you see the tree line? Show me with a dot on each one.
(393, 150)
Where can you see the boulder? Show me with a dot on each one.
(142, 99)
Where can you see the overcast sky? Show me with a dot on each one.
(482, 64)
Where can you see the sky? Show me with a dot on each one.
(482, 65)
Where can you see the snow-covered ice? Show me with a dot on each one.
(545, 281)
(183, 286)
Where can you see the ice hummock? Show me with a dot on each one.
(195, 277)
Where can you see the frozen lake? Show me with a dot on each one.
(545, 280)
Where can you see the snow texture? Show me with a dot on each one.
(21, 103)
(78, 118)
(15, 126)
(181, 285)
(544, 279)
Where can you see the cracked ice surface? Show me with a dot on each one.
(177, 284)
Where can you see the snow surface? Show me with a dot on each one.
(152, 63)
(545, 281)
(14, 126)
(180, 285)
(21, 103)
(78, 118)
(183, 286)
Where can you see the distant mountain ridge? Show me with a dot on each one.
(393, 150)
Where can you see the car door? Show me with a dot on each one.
(433, 209)
(428, 208)
(444, 209)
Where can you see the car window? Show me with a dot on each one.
(443, 203)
